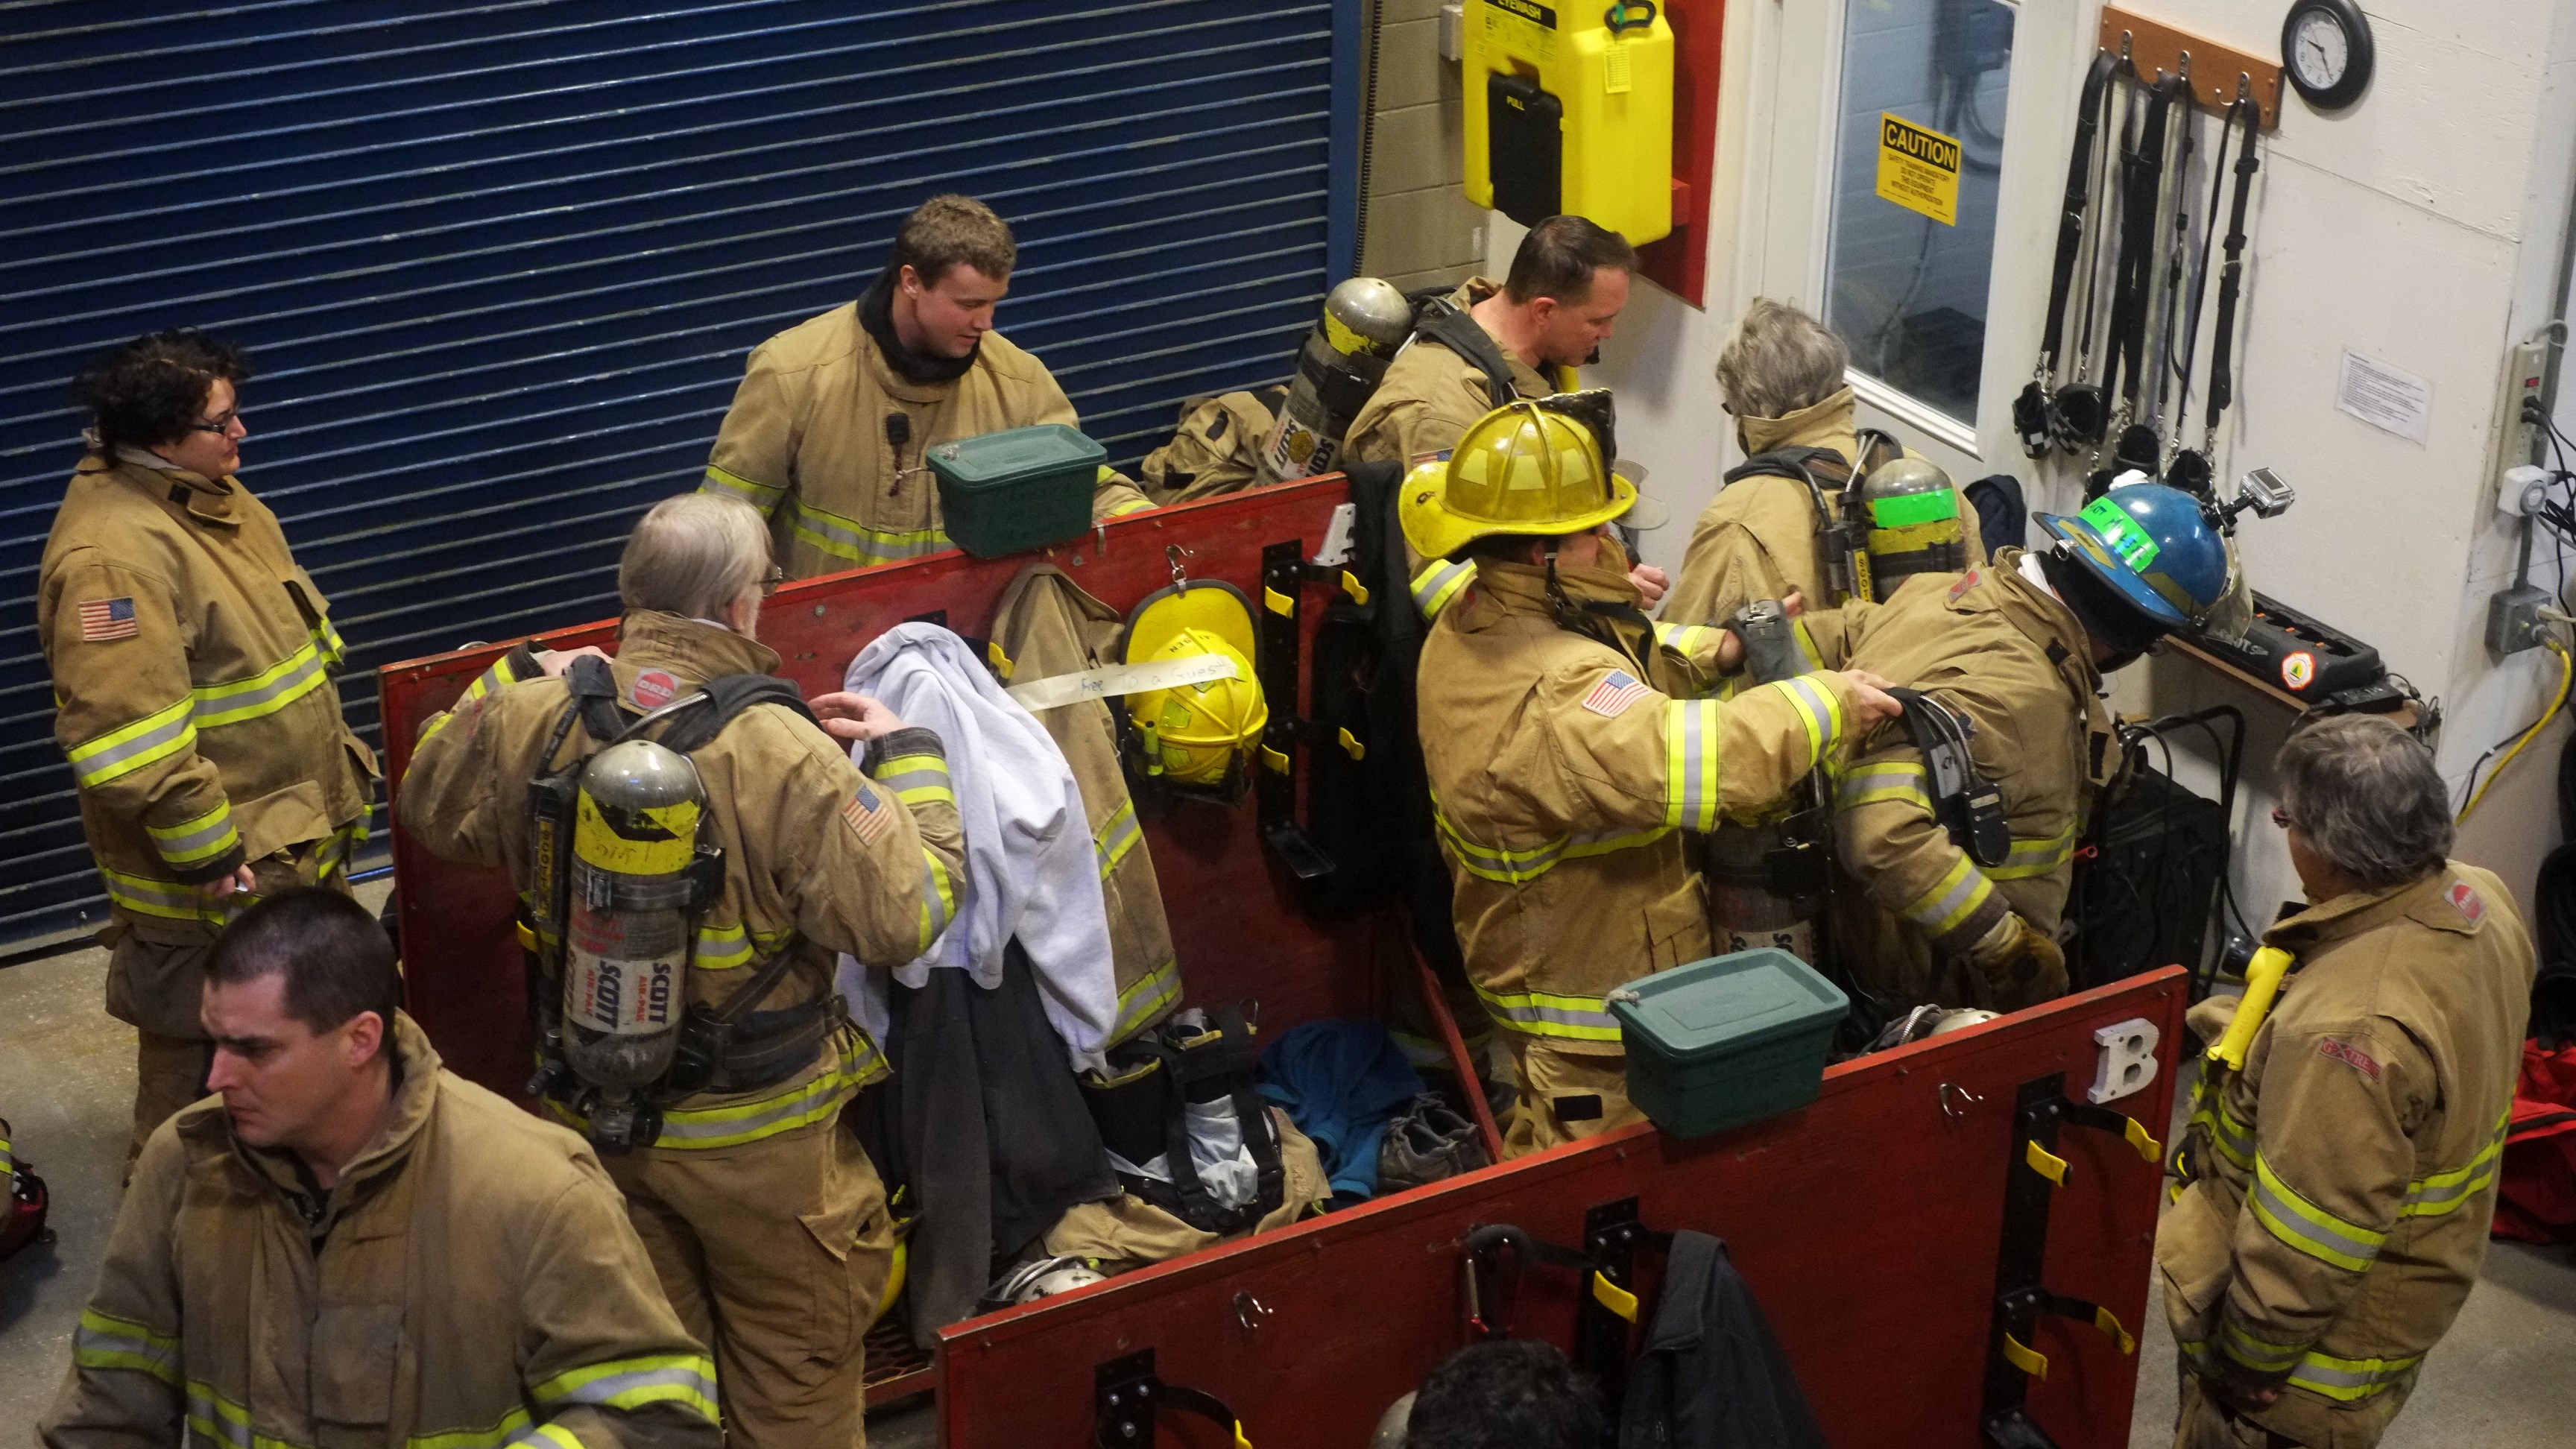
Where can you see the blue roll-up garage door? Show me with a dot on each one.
(498, 264)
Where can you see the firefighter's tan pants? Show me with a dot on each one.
(1565, 1096)
(774, 1253)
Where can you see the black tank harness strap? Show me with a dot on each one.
(2032, 412)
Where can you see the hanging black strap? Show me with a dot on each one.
(2143, 169)
(2222, 380)
(2079, 191)
(1450, 325)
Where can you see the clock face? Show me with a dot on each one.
(2320, 50)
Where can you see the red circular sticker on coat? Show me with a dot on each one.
(2299, 670)
(654, 689)
(2466, 902)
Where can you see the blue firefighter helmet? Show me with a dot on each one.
(2151, 544)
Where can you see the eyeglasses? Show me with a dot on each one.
(221, 426)
(2281, 817)
(770, 581)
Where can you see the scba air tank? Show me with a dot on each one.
(1365, 320)
(626, 957)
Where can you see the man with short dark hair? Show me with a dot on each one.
(1568, 283)
(1510, 1394)
(830, 433)
(354, 1245)
(2337, 1187)
(193, 662)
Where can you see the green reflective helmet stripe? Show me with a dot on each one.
(2120, 534)
(1907, 509)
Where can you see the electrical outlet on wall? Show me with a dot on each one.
(2525, 367)
(2513, 619)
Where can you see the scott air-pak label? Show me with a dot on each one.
(624, 970)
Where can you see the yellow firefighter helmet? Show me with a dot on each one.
(1197, 735)
(1520, 469)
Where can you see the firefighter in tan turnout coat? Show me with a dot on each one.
(1568, 753)
(763, 1215)
(193, 662)
(2338, 1183)
(830, 433)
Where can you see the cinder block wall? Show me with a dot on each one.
(1421, 229)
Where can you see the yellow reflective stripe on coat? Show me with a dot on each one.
(1146, 998)
(327, 641)
(128, 748)
(850, 539)
(1117, 836)
(855, 1063)
(2347, 1380)
(684, 1379)
(1519, 867)
(1686, 639)
(1495, 863)
(264, 693)
(2036, 855)
(1691, 746)
(2259, 1354)
(1885, 781)
(1438, 583)
(722, 948)
(221, 1421)
(1821, 712)
(104, 1341)
(1540, 1013)
(1960, 893)
(917, 779)
(2311, 1229)
(190, 841)
(2430, 1197)
(759, 495)
(938, 898)
(499, 677)
(168, 899)
(512, 1429)
(2234, 1139)
(341, 846)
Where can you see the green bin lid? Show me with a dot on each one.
(1727, 1003)
(996, 460)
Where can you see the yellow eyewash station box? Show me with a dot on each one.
(1570, 110)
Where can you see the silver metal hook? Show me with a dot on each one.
(1173, 553)
(1251, 1312)
(1951, 1110)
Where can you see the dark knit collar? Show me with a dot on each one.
(876, 314)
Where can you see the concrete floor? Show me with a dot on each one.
(2501, 1380)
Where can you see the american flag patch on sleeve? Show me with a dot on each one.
(104, 619)
(1614, 694)
(868, 812)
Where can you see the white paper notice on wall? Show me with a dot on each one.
(2384, 397)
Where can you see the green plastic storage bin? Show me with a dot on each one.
(1023, 489)
(1726, 1041)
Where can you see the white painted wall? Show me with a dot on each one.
(2422, 228)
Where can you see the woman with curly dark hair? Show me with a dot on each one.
(193, 660)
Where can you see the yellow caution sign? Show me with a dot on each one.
(1918, 168)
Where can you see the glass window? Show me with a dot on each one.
(1916, 166)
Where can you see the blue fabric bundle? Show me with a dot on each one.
(1341, 1082)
